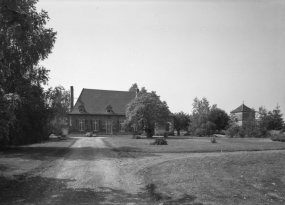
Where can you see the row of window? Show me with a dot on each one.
(107, 125)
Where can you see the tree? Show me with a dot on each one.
(276, 121)
(199, 124)
(134, 88)
(219, 117)
(24, 42)
(181, 121)
(145, 111)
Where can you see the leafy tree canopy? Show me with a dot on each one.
(181, 121)
(206, 119)
(134, 88)
(146, 110)
(24, 41)
(219, 117)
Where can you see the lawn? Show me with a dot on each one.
(210, 173)
(178, 144)
(226, 178)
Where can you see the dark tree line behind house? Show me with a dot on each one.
(25, 41)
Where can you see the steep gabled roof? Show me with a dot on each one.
(242, 108)
(96, 101)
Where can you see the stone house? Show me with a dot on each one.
(102, 112)
(242, 113)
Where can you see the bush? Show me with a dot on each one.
(213, 140)
(165, 135)
(136, 137)
(278, 137)
(171, 133)
(233, 131)
(159, 141)
(187, 134)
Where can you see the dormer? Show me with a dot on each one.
(81, 109)
(109, 109)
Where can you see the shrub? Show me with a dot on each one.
(136, 137)
(159, 141)
(171, 133)
(278, 137)
(88, 134)
(213, 140)
(187, 134)
(165, 135)
(233, 131)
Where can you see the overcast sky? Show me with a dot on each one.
(226, 51)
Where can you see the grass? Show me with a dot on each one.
(232, 178)
(178, 144)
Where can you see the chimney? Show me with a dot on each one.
(71, 98)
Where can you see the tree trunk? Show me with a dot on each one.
(149, 132)
(178, 132)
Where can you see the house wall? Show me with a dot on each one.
(243, 116)
(74, 123)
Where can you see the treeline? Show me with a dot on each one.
(206, 120)
(26, 109)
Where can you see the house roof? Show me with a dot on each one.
(242, 108)
(96, 101)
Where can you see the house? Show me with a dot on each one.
(102, 112)
(242, 113)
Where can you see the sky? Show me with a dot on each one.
(227, 51)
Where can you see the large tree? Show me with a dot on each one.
(276, 121)
(181, 121)
(219, 117)
(24, 42)
(146, 110)
(206, 119)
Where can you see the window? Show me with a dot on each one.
(81, 125)
(81, 110)
(95, 125)
(121, 124)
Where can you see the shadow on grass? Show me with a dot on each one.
(156, 196)
(41, 190)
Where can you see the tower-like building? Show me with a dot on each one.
(242, 113)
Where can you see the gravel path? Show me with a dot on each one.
(90, 164)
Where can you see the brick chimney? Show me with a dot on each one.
(71, 98)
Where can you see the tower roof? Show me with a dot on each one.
(242, 108)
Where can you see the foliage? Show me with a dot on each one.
(276, 121)
(159, 141)
(24, 42)
(213, 140)
(219, 117)
(181, 121)
(133, 88)
(258, 126)
(206, 120)
(58, 100)
(146, 110)
(278, 137)
(233, 130)
(136, 137)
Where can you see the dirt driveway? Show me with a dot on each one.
(87, 172)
